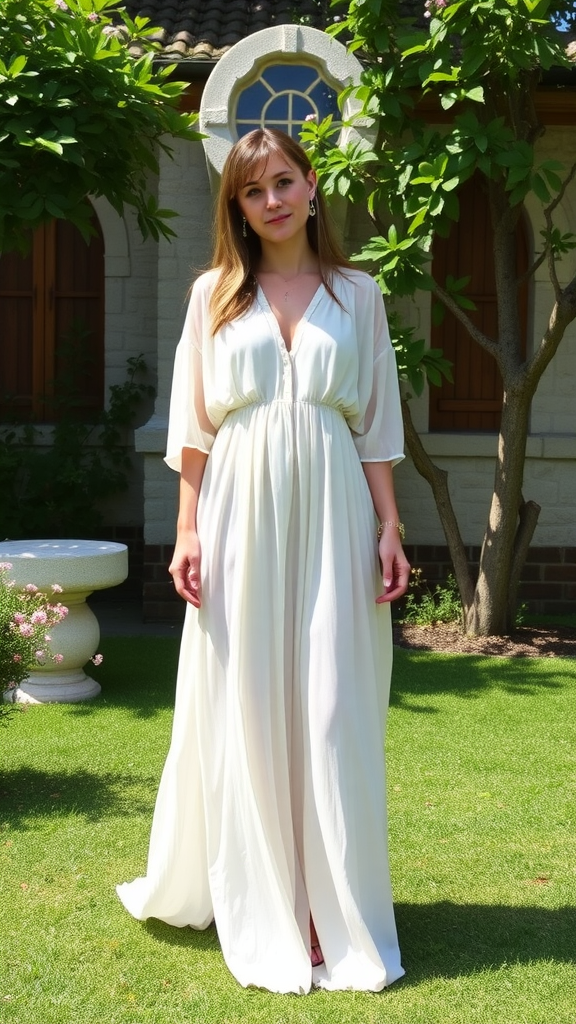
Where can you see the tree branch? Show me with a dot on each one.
(558, 199)
(527, 520)
(563, 313)
(548, 218)
(532, 270)
(474, 332)
(438, 480)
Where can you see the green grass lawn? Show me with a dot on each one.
(482, 806)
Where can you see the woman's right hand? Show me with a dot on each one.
(185, 568)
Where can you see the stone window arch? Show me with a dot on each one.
(277, 77)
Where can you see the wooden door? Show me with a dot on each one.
(473, 402)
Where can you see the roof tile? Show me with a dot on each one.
(205, 29)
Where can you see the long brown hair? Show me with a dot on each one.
(236, 257)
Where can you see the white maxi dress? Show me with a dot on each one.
(272, 803)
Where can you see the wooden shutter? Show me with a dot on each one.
(18, 296)
(52, 324)
(473, 402)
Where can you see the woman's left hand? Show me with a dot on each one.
(395, 566)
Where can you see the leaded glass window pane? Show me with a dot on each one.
(283, 96)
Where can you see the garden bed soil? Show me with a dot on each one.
(525, 642)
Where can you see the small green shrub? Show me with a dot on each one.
(424, 607)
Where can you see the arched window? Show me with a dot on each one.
(52, 325)
(283, 96)
(473, 402)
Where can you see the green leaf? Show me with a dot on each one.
(464, 302)
(418, 220)
(55, 210)
(540, 188)
(553, 180)
(476, 94)
(54, 147)
(17, 65)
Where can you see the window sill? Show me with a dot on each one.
(485, 446)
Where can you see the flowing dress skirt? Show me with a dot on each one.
(272, 804)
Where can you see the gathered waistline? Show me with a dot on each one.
(286, 401)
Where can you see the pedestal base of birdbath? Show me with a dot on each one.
(79, 567)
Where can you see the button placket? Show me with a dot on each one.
(287, 377)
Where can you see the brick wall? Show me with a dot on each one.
(160, 601)
(548, 580)
(548, 584)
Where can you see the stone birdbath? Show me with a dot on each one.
(79, 567)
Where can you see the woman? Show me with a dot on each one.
(284, 425)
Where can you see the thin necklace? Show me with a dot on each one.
(290, 280)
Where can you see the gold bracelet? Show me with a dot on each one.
(399, 526)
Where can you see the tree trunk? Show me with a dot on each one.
(438, 480)
(528, 518)
(490, 607)
(511, 523)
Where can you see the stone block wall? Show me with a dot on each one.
(548, 579)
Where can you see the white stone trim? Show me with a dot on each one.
(116, 245)
(281, 44)
(473, 446)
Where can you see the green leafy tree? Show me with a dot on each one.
(80, 116)
(482, 60)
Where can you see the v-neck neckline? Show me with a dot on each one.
(265, 305)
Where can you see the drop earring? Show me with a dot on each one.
(244, 231)
(312, 208)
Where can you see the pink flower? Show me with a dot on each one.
(5, 565)
(47, 638)
(61, 5)
(26, 629)
(17, 657)
(310, 117)
(19, 617)
(59, 611)
(39, 655)
(58, 658)
(39, 617)
(56, 588)
(93, 16)
(432, 6)
(97, 659)
(31, 588)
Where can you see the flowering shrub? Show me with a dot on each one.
(26, 618)
(432, 7)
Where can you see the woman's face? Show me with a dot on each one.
(276, 200)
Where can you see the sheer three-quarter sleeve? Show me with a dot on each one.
(189, 425)
(378, 432)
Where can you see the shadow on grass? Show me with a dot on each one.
(138, 674)
(186, 937)
(445, 940)
(33, 793)
(450, 939)
(424, 674)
